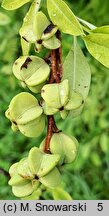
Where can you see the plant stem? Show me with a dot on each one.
(54, 66)
(49, 134)
(52, 128)
(55, 77)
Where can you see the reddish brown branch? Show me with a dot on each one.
(49, 134)
(51, 80)
(54, 66)
(55, 77)
(52, 128)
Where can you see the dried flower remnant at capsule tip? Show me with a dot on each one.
(36, 177)
(62, 108)
(39, 41)
(25, 64)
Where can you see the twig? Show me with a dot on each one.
(54, 66)
(52, 128)
(49, 134)
(55, 77)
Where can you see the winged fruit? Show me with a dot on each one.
(28, 174)
(26, 115)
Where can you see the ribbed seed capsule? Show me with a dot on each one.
(64, 114)
(26, 115)
(30, 172)
(74, 102)
(48, 110)
(26, 31)
(37, 89)
(40, 163)
(31, 70)
(52, 43)
(56, 95)
(45, 33)
(40, 24)
(65, 146)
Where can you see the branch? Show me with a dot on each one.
(49, 134)
(55, 77)
(54, 66)
(52, 128)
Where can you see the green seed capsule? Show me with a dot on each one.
(25, 47)
(26, 31)
(23, 190)
(40, 24)
(26, 115)
(37, 89)
(64, 114)
(34, 196)
(33, 128)
(52, 179)
(21, 186)
(24, 108)
(13, 169)
(47, 164)
(35, 184)
(42, 146)
(56, 95)
(37, 168)
(35, 158)
(41, 163)
(65, 146)
(31, 70)
(75, 101)
(60, 194)
(24, 169)
(51, 43)
(48, 110)
(16, 180)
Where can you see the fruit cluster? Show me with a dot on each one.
(28, 115)
(62, 87)
(39, 168)
(49, 78)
